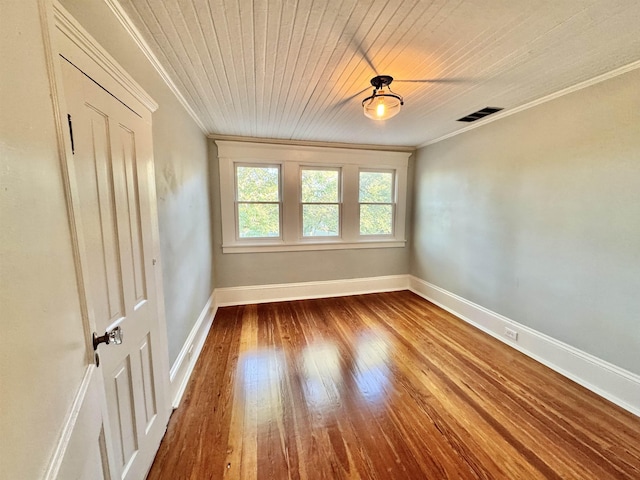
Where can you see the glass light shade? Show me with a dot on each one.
(382, 106)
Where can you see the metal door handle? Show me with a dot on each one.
(114, 336)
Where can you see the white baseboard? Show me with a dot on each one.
(306, 290)
(605, 379)
(183, 366)
(75, 425)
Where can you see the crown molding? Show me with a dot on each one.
(560, 93)
(306, 143)
(80, 37)
(133, 31)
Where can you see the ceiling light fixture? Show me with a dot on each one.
(382, 105)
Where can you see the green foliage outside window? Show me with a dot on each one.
(376, 187)
(376, 203)
(258, 184)
(320, 203)
(376, 219)
(320, 186)
(258, 196)
(258, 202)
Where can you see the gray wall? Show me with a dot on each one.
(42, 356)
(537, 217)
(182, 178)
(241, 269)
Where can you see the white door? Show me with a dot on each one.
(111, 163)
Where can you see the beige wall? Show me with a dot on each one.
(42, 357)
(241, 269)
(537, 217)
(42, 350)
(182, 178)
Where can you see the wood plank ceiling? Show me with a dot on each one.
(292, 69)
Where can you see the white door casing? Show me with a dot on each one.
(122, 408)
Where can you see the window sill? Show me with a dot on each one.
(303, 247)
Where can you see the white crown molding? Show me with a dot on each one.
(182, 368)
(78, 35)
(306, 143)
(603, 378)
(126, 22)
(565, 91)
(305, 153)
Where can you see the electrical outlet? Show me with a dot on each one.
(512, 334)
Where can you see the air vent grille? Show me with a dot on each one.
(472, 117)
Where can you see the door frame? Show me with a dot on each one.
(63, 35)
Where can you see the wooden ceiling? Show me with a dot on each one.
(299, 69)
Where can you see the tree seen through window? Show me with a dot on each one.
(376, 197)
(258, 201)
(320, 192)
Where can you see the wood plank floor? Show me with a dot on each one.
(383, 386)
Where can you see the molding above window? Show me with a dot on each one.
(293, 158)
(265, 152)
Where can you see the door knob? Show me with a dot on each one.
(114, 336)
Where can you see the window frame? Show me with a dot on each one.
(291, 159)
(237, 202)
(339, 203)
(393, 203)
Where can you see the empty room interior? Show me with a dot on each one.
(337, 239)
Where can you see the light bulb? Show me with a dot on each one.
(382, 105)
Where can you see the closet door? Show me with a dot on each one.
(111, 162)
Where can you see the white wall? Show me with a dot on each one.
(243, 269)
(42, 350)
(182, 178)
(537, 217)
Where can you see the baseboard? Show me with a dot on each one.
(299, 291)
(183, 366)
(74, 430)
(605, 379)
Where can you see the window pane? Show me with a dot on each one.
(258, 220)
(320, 220)
(376, 219)
(376, 187)
(258, 184)
(320, 186)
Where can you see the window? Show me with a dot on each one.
(258, 203)
(289, 197)
(376, 199)
(320, 192)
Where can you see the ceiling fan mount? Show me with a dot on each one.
(380, 81)
(384, 103)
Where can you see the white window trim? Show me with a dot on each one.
(339, 203)
(236, 202)
(291, 159)
(394, 203)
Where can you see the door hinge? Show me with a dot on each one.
(73, 149)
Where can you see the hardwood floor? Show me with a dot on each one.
(383, 386)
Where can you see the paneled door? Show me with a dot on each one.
(112, 157)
